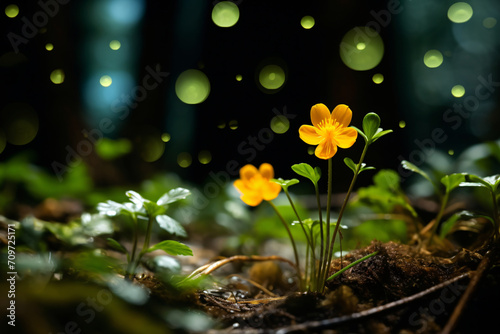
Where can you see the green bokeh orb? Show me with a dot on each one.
(460, 12)
(225, 14)
(433, 58)
(361, 49)
(307, 22)
(280, 124)
(272, 77)
(192, 87)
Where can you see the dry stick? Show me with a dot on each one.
(330, 323)
(457, 312)
(208, 268)
(255, 284)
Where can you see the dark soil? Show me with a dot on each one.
(399, 290)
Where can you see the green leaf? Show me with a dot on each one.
(135, 197)
(361, 133)
(116, 245)
(153, 209)
(173, 195)
(171, 225)
(371, 123)
(307, 171)
(491, 182)
(349, 163)
(285, 183)
(453, 180)
(461, 215)
(110, 208)
(387, 179)
(172, 247)
(380, 132)
(408, 165)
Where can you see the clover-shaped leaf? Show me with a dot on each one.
(285, 183)
(305, 170)
(371, 130)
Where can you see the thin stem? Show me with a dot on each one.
(324, 264)
(495, 214)
(444, 202)
(344, 205)
(309, 242)
(297, 263)
(321, 255)
(131, 267)
(351, 265)
(147, 239)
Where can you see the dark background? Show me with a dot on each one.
(179, 35)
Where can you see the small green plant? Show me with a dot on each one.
(450, 182)
(140, 210)
(328, 131)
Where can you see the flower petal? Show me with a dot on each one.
(326, 150)
(319, 112)
(247, 172)
(266, 170)
(308, 134)
(345, 138)
(271, 191)
(252, 199)
(342, 114)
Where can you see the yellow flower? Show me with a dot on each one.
(255, 185)
(329, 130)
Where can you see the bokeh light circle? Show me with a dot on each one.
(402, 124)
(20, 122)
(272, 77)
(233, 124)
(49, 46)
(151, 147)
(184, 159)
(239, 77)
(378, 78)
(165, 137)
(225, 14)
(361, 49)
(460, 12)
(57, 76)
(489, 22)
(433, 58)
(458, 91)
(11, 11)
(307, 22)
(192, 87)
(280, 124)
(204, 157)
(115, 45)
(105, 81)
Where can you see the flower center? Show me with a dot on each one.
(328, 128)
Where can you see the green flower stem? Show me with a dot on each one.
(297, 263)
(131, 265)
(309, 242)
(495, 214)
(298, 217)
(342, 209)
(444, 202)
(323, 270)
(147, 239)
(351, 265)
(321, 252)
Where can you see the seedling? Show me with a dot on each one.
(139, 210)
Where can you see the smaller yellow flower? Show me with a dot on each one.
(329, 130)
(255, 184)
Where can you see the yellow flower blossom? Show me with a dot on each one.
(329, 130)
(255, 184)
